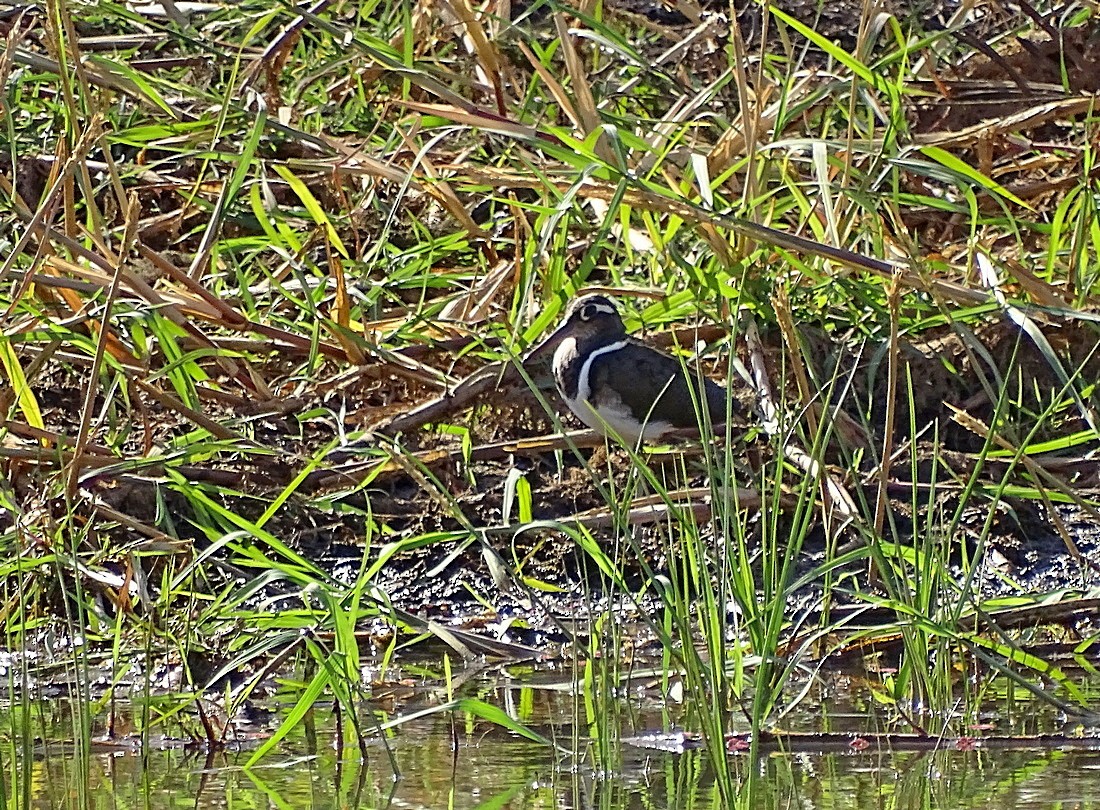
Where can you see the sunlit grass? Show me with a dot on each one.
(224, 271)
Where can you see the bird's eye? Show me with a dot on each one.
(588, 312)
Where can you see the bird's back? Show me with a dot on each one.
(658, 388)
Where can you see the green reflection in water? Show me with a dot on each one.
(492, 769)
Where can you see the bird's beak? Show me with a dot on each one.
(544, 349)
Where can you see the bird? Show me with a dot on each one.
(616, 384)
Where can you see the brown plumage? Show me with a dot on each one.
(613, 381)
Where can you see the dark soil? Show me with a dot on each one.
(1033, 545)
(1030, 546)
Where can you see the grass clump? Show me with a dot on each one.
(245, 247)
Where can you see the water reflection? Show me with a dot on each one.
(493, 770)
(464, 762)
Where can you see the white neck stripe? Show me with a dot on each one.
(584, 390)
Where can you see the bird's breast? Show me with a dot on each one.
(566, 370)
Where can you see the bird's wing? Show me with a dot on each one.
(648, 377)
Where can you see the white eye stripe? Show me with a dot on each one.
(589, 311)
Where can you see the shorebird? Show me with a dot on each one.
(619, 385)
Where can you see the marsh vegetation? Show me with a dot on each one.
(269, 442)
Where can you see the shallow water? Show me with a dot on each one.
(495, 771)
(460, 761)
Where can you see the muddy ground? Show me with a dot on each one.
(1034, 546)
(1031, 546)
